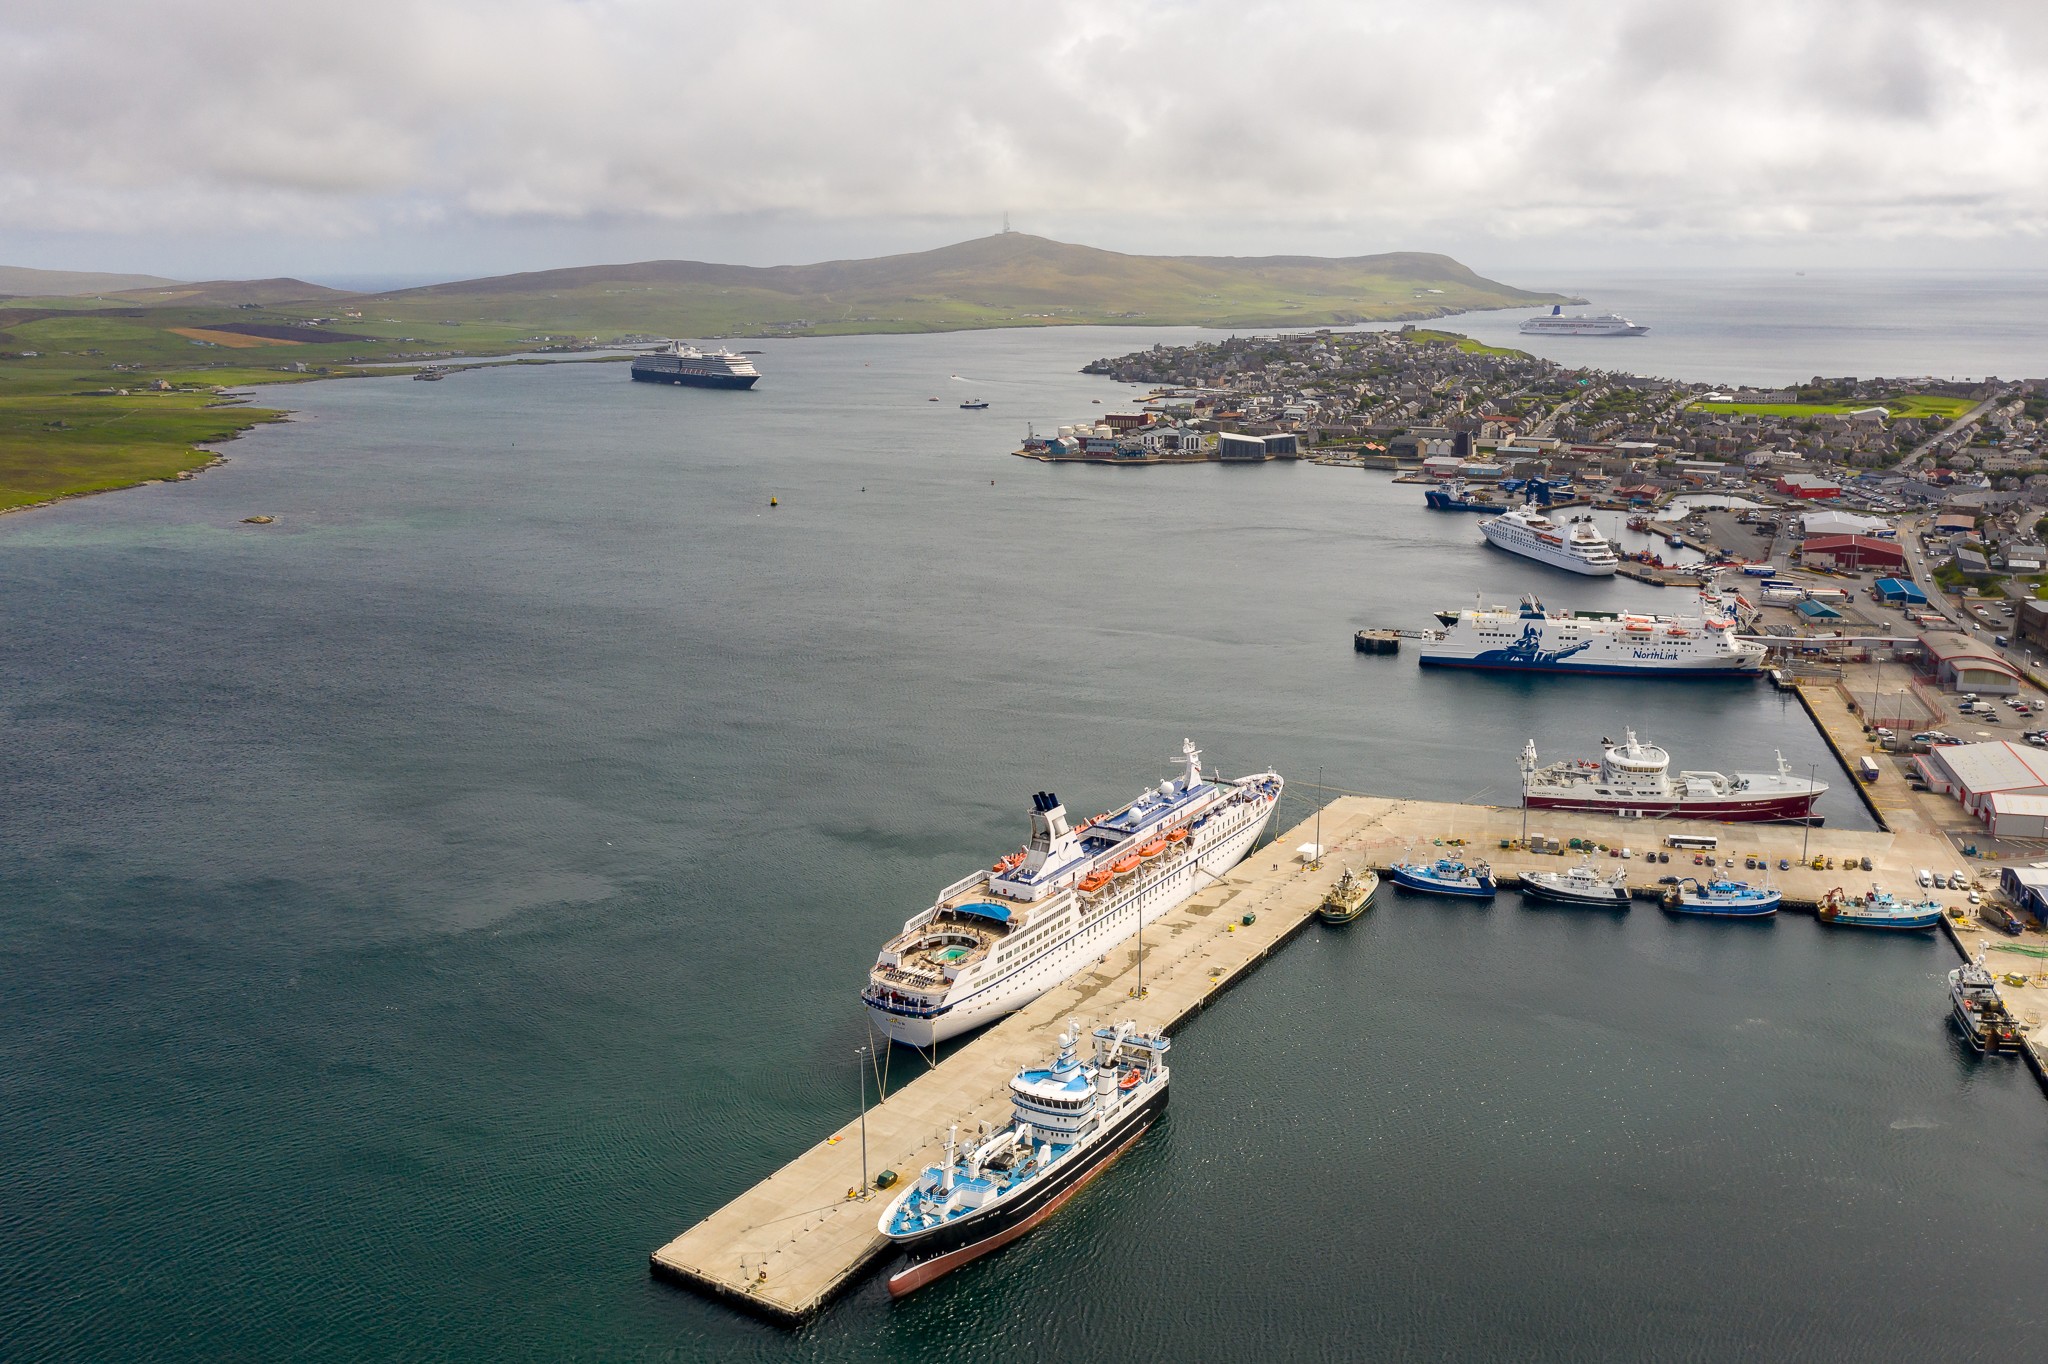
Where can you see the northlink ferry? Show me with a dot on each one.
(997, 939)
(1533, 639)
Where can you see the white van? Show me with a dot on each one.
(1924, 877)
(1958, 881)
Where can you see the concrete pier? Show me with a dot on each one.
(785, 1247)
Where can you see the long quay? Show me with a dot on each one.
(785, 1247)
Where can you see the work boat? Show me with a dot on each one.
(1584, 885)
(1879, 909)
(1577, 546)
(1349, 898)
(1445, 876)
(1068, 1121)
(1988, 1026)
(995, 940)
(1721, 899)
(1634, 780)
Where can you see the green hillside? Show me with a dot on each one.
(108, 388)
(1012, 279)
(18, 281)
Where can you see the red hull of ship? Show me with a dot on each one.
(1791, 809)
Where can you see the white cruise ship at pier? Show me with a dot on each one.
(996, 940)
(1531, 639)
(1576, 546)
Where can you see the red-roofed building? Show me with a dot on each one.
(1852, 552)
(1806, 485)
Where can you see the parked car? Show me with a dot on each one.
(1784, 864)
(1957, 881)
(1924, 877)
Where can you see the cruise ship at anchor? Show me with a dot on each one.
(995, 940)
(1634, 779)
(1580, 324)
(681, 363)
(1535, 640)
(1577, 548)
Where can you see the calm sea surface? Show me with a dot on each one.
(415, 911)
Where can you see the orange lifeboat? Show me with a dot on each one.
(1153, 849)
(1177, 835)
(1010, 863)
(1124, 864)
(1095, 880)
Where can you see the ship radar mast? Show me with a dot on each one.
(1194, 757)
(1529, 759)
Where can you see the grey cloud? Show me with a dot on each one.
(1653, 124)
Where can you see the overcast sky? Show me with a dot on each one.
(465, 137)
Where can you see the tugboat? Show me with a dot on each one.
(1068, 1121)
(1721, 899)
(1445, 876)
(1584, 885)
(1879, 909)
(1986, 1023)
(1349, 898)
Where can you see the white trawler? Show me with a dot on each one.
(1533, 639)
(996, 940)
(1577, 547)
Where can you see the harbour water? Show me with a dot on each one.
(418, 908)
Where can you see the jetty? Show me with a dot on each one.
(786, 1247)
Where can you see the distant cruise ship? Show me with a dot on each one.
(1528, 532)
(1579, 324)
(682, 363)
(1536, 640)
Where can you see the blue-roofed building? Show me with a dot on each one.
(1817, 610)
(1899, 592)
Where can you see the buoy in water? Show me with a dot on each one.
(772, 502)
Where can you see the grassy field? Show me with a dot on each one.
(1463, 343)
(1903, 405)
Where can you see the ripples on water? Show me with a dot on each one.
(419, 909)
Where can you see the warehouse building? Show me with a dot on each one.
(1853, 552)
(1899, 592)
(1960, 662)
(2018, 817)
(2026, 887)
(1974, 773)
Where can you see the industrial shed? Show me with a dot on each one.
(1900, 592)
(2026, 887)
(1853, 551)
(1960, 662)
(2013, 816)
(1974, 773)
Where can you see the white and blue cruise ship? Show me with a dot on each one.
(1531, 639)
(1068, 1120)
(996, 940)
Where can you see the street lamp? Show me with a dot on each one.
(1806, 834)
(861, 1055)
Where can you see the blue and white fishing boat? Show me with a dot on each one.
(1879, 909)
(1068, 1121)
(1445, 876)
(1721, 899)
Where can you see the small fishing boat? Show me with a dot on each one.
(1445, 876)
(1987, 1025)
(1721, 899)
(975, 405)
(1584, 885)
(1879, 909)
(1349, 898)
(1068, 1121)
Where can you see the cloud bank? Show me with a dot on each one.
(1650, 129)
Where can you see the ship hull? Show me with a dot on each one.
(1712, 910)
(1917, 923)
(1484, 664)
(1445, 502)
(1783, 809)
(1536, 890)
(687, 380)
(926, 1028)
(1558, 560)
(944, 1249)
(1428, 885)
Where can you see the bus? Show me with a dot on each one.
(1867, 768)
(1692, 842)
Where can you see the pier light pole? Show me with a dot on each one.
(1812, 771)
(860, 1054)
